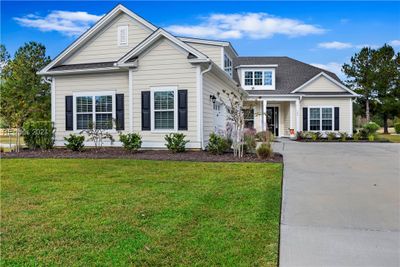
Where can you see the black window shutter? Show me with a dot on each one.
(337, 116)
(182, 110)
(305, 119)
(119, 112)
(69, 116)
(146, 113)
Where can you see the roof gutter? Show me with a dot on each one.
(201, 104)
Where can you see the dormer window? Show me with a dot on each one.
(258, 79)
(228, 65)
(122, 35)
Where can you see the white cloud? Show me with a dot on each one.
(332, 67)
(395, 43)
(250, 25)
(66, 22)
(335, 45)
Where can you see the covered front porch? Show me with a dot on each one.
(280, 115)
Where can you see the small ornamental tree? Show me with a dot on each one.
(234, 109)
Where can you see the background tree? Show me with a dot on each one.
(361, 77)
(4, 58)
(23, 94)
(386, 82)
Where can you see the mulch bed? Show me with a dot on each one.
(339, 141)
(120, 153)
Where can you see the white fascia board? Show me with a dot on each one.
(329, 78)
(257, 66)
(154, 37)
(322, 96)
(98, 26)
(203, 41)
(66, 72)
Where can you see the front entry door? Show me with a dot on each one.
(273, 120)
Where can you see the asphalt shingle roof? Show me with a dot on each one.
(289, 75)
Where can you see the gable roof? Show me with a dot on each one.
(290, 74)
(155, 36)
(119, 9)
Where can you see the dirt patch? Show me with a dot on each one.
(120, 153)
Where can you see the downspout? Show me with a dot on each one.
(52, 96)
(202, 105)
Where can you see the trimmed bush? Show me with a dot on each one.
(264, 136)
(264, 151)
(371, 127)
(331, 136)
(176, 142)
(343, 136)
(371, 137)
(38, 134)
(397, 127)
(356, 136)
(217, 144)
(315, 135)
(74, 142)
(250, 144)
(131, 141)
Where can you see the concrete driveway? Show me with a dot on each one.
(341, 204)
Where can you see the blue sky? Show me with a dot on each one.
(326, 34)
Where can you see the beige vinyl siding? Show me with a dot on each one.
(322, 84)
(103, 47)
(67, 85)
(214, 52)
(345, 110)
(164, 64)
(212, 85)
(286, 118)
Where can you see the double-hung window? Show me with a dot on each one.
(94, 110)
(164, 109)
(248, 118)
(228, 65)
(321, 119)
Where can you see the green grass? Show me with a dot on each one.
(140, 213)
(392, 138)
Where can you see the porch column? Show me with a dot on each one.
(291, 118)
(264, 113)
(297, 115)
(130, 99)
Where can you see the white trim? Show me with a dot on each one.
(258, 87)
(223, 63)
(200, 102)
(164, 89)
(322, 96)
(66, 72)
(92, 94)
(153, 38)
(98, 26)
(297, 115)
(53, 99)
(223, 58)
(264, 114)
(351, 116)
(320, 118)
(257, 66)
(130, 99)
(203, 41)
(329, 78)
(119, 30)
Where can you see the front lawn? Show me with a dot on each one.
(394, 138)
(139, 213)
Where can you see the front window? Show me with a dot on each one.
(164, 110)
(248, 118)
(321, 119)
(259, 78)
(94, 110)
(228, 65)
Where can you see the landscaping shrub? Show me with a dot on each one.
(331, 136)
(250, 143)
(371, 137)
(264, 151)
(315, 136)
(131, 141)
(38, 134)
(75, 142)
(356, 136)
(397, 127)
(363, 133)
(343, 136)
(264, 136)
(217, 144)
(371, 127)
(176, 142)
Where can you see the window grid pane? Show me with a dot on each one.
(163, 120)
(257, 78)
(164, 100)
(104, 103)
(84, 121)
(248, 78)
(267, 77)
(104, 121)
(84, 104)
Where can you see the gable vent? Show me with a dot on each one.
(123, 35)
